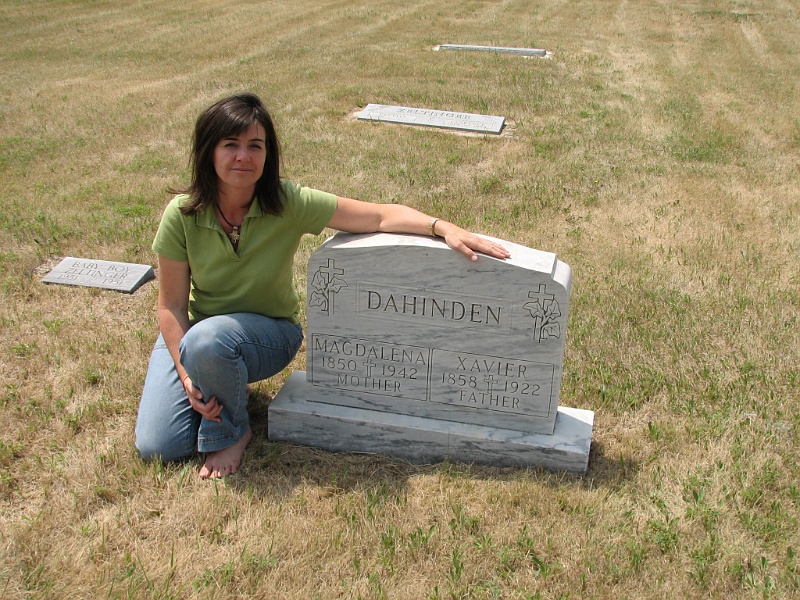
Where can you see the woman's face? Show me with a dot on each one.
(239, 160)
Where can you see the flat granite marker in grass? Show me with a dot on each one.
(415, 352)
(528, 52)
(432, 118)
(121, 277)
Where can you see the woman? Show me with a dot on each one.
(227, 308)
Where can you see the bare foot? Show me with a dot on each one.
(225, 462)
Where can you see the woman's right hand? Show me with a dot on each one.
(209, 410)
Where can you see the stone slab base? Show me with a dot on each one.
(294, 417)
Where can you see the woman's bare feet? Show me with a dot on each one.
(225, 462)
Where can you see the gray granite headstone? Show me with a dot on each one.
(498, 49)
(122, 277)
(416, 352)
(432, 118)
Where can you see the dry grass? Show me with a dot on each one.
(656, 153)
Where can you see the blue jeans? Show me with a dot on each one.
(222, 355)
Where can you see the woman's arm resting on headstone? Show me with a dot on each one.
(355, 216)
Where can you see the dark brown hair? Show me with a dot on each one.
(225, 118)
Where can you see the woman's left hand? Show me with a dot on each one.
(468, 243)
(210, 409)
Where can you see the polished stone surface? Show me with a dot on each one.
(432, 118)
(402, 327)
(415, 328)
(295, 418)
(122, 277)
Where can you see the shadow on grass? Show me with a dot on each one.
(608, 472)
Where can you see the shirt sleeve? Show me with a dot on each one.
(312, 208)
(170, 240)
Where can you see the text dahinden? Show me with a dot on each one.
(434, 308)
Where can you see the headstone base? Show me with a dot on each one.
(294, 417)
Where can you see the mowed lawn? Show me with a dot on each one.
(656, 152)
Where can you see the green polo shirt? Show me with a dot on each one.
(259, 277)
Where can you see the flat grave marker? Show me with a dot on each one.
(527, 52)
(432, 118)
(415, 352)
(88, 272)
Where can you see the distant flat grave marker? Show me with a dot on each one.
(499, 49)
(415, 352)
(121, 277)
(432, 118)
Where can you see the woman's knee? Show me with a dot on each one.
(151, 448)
(148, 450)
(203, 342)
(165, 430)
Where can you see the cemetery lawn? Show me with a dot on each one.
(656, 153)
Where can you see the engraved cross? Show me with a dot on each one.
(370, 365)
(541, 296)
(330, 271)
